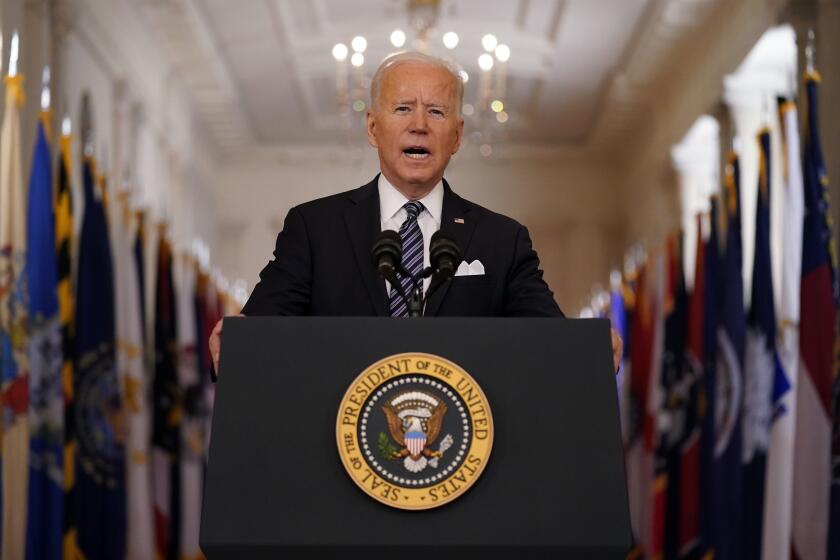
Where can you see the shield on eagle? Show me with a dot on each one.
(415, 442)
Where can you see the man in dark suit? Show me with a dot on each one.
(322, 262)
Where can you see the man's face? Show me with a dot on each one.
(416, 126)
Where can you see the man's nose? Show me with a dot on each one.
(419, 122)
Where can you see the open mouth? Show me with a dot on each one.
(417, 152)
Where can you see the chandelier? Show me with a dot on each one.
(484, 109)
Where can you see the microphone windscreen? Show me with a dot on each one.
(444, 253)
(389, 234)
(387, 247)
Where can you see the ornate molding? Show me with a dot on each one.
(664, 27)
(196, 62)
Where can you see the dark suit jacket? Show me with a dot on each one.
(322, 263)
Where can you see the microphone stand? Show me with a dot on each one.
(416, 301)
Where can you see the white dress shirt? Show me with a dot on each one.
(392, 215)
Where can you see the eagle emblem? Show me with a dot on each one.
(408, 436)
(414, 422)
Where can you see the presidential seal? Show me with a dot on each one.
(414, 431)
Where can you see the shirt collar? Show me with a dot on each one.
(391, 200)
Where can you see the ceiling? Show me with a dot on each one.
(263, 76)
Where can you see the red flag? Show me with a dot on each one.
(812, 455)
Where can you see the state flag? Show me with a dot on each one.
(167, 410)
(14, 360)
(707, 399)
(779, 485)
(64, 231)
(763, 373)
(729, 381)
(131, 366)
(44, 528)
(192, 421)
(99, 500)
(814, 495)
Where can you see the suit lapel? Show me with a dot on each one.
(363, 225)
(454, 207)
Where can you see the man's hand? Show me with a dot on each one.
(617, 346)
(215, 342)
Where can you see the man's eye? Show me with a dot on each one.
(401, 109)
(436, 112)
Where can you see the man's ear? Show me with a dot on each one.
(459, 133)
(371, 124)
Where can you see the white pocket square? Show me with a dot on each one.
(474, 268)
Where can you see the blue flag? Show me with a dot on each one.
(729, 382)
(763, 373)
(46, 399)
(99, 493)
(618, 320)
(711, 291)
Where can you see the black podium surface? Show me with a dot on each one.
(553, 487)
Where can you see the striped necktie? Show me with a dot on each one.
(412, 260)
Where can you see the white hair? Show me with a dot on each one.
(393, 60)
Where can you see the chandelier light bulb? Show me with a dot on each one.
(339, 51)
(357, 59)
(485, 62)
(359, 44)
(503, 53)
(397, 38)
(489, 42)
(450, 40)
(497, 106)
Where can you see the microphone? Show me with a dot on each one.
(386, 255)
(444, 256)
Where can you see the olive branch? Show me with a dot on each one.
(386, 447)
